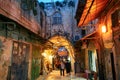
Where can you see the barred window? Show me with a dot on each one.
(57, 19)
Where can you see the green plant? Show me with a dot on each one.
(42, 5)
(71, 4)
(35, 70)
(59, 4)
(29, 5)
(64, 3)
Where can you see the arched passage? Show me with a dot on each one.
(57, 43)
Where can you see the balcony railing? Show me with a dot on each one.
(12, 10)
(90, 28)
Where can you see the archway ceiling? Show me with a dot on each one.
(55, 43)
(59, 41)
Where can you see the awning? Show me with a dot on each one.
(89, 36)
(92, 10)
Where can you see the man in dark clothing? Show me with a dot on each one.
(68, 67)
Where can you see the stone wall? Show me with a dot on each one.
(11, 10)
(5, 57)
(68, 26)
(111, 40)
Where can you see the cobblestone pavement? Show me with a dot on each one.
(55, 75)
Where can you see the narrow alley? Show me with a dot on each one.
(44, 39)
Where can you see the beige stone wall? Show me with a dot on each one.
(30, 63)
(111, 44)
(12, 10)
(5, 56)
(108, 63)
(86, 60)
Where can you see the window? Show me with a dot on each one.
(76, 37)
(83, 33)
(57, 19)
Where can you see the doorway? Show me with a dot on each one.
(113, 66)
(92, 60)
(19, 65)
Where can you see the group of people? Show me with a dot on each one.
(65, 65)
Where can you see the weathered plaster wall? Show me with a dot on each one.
(86, 60)
(69, 24)
(108, 64)
(5, 57)
(111, 43)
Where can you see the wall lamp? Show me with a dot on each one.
(104, 29)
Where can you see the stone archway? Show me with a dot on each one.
(57, 42)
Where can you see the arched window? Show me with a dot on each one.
(57, 19)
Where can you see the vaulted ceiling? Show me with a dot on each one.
(60, 41)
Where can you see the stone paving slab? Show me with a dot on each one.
(55, 75)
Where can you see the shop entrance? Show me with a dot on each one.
(113, 67)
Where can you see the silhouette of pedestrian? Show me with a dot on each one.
(62, 67)
(68, 67)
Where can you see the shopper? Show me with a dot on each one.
(62, 67)
(68, 67)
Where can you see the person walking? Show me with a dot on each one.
(68, 67)
(62, 67)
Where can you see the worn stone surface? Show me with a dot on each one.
(55, 75)
(5, 52)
